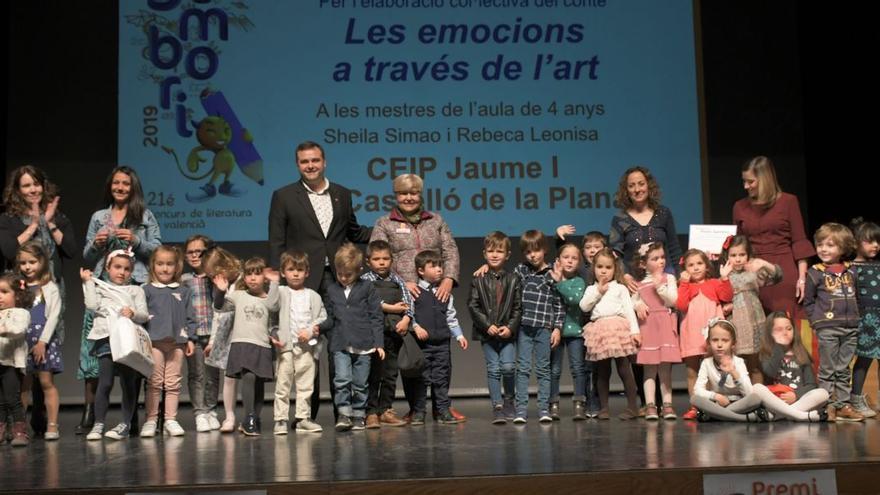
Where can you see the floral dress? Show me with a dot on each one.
(868, 286)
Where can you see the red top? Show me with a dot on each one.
(778, 230)
(715, 289)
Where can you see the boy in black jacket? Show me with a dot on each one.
(495, 304)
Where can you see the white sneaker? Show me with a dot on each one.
(203, 424)
(308, 425)
(148, 430)
(173, 428)
(213, 421)
(97, 432)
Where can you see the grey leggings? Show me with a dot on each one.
(805, 409)
(735, 411)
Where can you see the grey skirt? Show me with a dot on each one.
(250, 357)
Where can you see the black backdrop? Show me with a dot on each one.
(781, 78)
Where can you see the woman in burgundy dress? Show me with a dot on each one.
(772, 221)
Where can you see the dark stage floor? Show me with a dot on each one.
(473, 449)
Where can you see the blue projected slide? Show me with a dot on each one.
(517, 114)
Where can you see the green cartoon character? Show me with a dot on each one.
(213, 134)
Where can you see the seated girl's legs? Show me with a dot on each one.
(650, 385)
(624, 370)
(813, 400)
(577, 364)
(782, 410)
(735, 411)
(105, 386)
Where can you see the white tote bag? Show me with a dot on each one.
(129, 343)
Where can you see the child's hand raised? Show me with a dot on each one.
(271, 274)
(685, 276)
(726, 269)
(220, 282)
(556, 272)
(85, 274)
(565, 230)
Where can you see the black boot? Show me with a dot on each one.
(87, 420)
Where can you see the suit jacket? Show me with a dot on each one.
(354, 321)
(294, 225)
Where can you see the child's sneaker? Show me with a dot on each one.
(520, 420)
(119, 432)
(148, 430)
(446, 418)
(203, 424)
(554, 411)
(417, 419)
(847, 413)
(97, 432)
(280, 428)
(498, 417)
(545, 417)
(691, 414)
(509, 408)
(358, 424)
(308, 426)
(213, 421)
(173, 428)
(343, 423)
(860, 404)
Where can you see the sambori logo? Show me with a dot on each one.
(167, 50)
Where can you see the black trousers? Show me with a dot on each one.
(10, 395)
(129, 380)
(383, 376)
(436, 374)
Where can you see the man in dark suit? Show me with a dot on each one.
(315, 216)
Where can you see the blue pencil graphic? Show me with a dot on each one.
(246, 155)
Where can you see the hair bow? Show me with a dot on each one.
(21, 283)
(681, 261)
(643, 249)
(727, 242)
(120, 252)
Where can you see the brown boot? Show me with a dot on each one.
(389, 418)
(373, 421)
(847, 413)
(20, 436)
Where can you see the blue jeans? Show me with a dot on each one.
(500, 369)
(576, 355)
(352, 372)
(532, 340)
